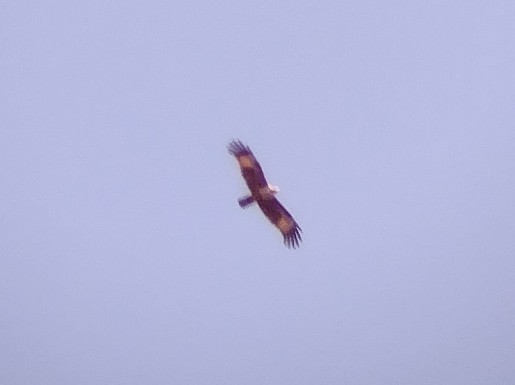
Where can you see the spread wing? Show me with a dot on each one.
(283, 220)
(250, 168)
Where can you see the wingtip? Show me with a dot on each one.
(236, 148)
(293, 237)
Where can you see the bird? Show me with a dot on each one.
(263, 193)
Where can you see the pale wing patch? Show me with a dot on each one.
(284, 224)
(245, 161)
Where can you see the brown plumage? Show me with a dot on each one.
(264, 194)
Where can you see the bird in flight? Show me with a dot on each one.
(263, 193)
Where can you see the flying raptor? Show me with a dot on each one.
(263, 194)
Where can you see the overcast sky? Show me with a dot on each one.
(389, 127)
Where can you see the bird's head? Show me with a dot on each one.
(273, 188)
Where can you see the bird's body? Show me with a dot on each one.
(263, 194)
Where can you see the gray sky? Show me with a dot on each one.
(388, 125)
